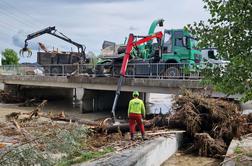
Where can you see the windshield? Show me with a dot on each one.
(194, 43)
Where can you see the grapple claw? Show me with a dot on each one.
(25, 49)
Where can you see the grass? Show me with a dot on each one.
(241, 153)
(85, 156)
(238, 150)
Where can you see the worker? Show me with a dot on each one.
(136, 113)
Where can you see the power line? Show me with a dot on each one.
(13, 17)
(27, 15)
(7, 12)
(7, 26)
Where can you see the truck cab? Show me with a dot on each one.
(178, 46)
(210, 55)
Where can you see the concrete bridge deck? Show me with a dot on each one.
(149, 85)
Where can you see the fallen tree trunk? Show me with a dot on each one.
(159, 121)
(75, 120)
(106, 126)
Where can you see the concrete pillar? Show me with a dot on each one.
(143, 96)
(87, 101)
(147, 97)
(98, 101)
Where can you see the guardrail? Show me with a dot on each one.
(136, 70)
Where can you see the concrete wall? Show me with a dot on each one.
(151, 153)
(1, 86)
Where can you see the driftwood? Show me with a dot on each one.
(38, 109)
(75, 120)
(207, 146)
(12, 116)
(28, 103)
(16, 124)
(106, 126)
(158, 121)
(210, 123)
(164, 132)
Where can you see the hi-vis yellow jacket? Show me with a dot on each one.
(136, 106)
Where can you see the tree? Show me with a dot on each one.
(229, 29)
(10, 57)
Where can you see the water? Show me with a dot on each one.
(247, 107)
(159, 103)
(181, 159)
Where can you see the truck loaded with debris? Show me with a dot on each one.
(55, 62)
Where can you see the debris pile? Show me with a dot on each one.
(36, 142)
(37, 137)
(211, 123)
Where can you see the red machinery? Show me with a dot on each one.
(131, 43)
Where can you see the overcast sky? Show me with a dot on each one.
(89, 22)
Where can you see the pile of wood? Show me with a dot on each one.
(211, 123)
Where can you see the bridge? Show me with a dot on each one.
(99, 89)
(150, 78)
(148, 85)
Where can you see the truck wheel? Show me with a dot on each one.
(172, 72)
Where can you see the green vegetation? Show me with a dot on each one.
(10, 57)
(238, 150)
(229, 29)
(85, 156)
(242, 156)
(56, 144)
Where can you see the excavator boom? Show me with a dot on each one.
(130, 44)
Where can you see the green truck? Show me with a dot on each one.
(178, 50)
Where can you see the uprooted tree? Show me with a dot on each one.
(211, 123)
(229, 29)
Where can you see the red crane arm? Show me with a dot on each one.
(132, 44)
(126, 57)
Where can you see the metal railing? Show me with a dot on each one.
(136, 70)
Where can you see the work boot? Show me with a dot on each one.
(144, 138)
(132, 137)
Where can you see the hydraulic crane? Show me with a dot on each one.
(130, 44)
(52, 31)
